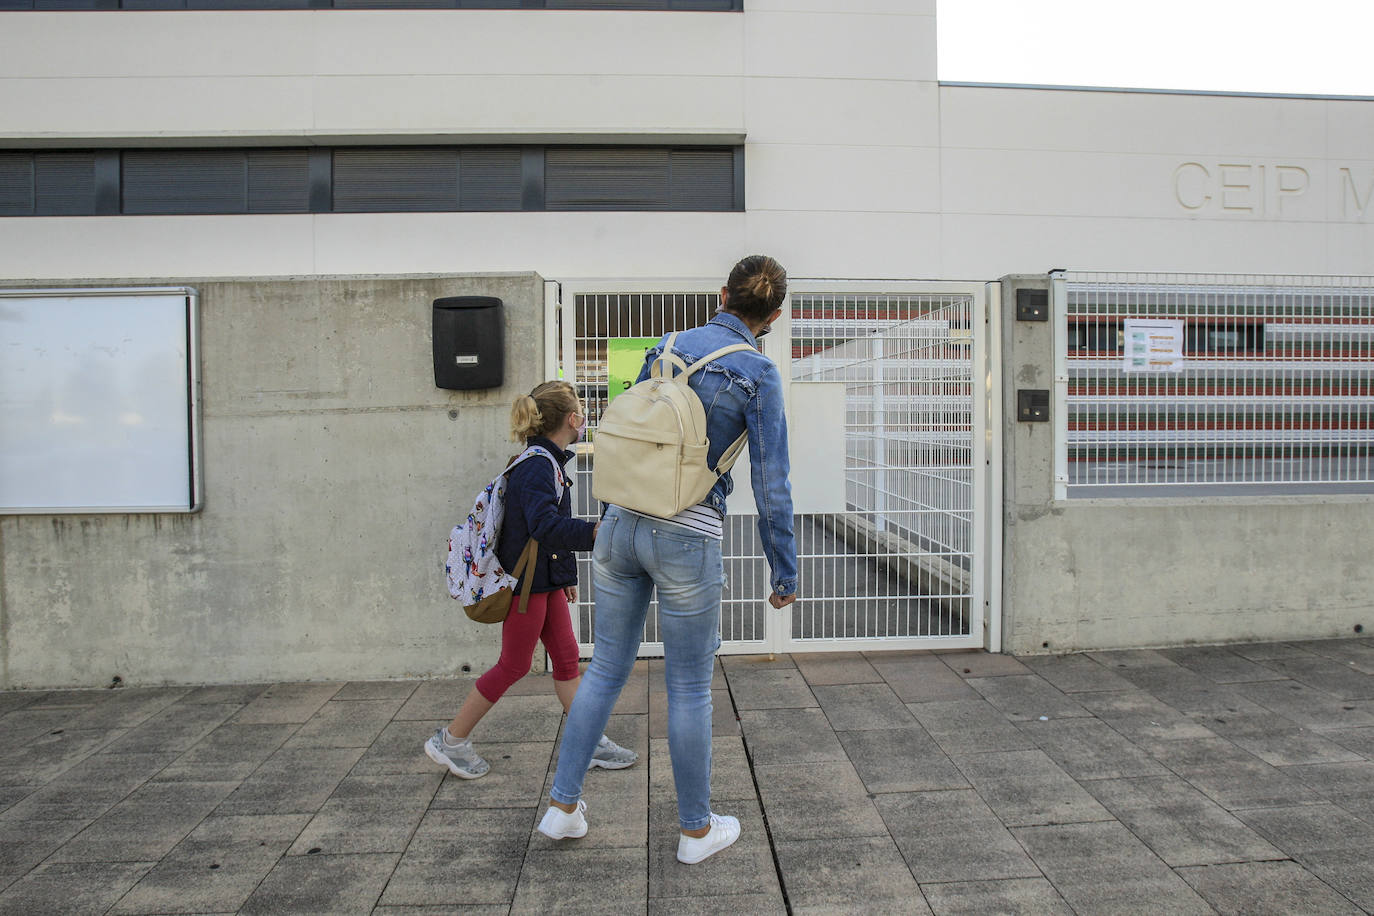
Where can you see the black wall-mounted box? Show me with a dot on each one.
(469, 342)
(1033, 405)
(1032, 305)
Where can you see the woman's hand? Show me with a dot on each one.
(571, 592)
(781, 601)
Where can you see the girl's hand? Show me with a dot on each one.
(570, 591)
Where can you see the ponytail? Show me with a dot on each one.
(757, 286)
(543, 409)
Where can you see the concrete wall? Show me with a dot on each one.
(333, 471)
(1119, 573)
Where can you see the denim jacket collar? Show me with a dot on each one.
(736, 324)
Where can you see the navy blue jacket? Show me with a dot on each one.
(533, 512)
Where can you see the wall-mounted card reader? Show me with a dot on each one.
(469, 342)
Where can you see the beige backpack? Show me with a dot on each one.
(651, 442)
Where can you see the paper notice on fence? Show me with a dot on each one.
(1153, 345)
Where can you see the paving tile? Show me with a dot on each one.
(582, 879)
(444, 909)
(263, 829)
(857, 707)
(13, 795)
(726, 905)
(1076, 673)
(71, 888)
(1027, 788)
(1283, 887)
(969, 726)
(771, 688)
(1296, 747)
(848, 875)
(202, 877)
(732, 663)
(24, 725)
(1261, 650)
(1346, 870)
(789, 736)
(818, 800)
(242, 694)
(1022, 698)
(533, 718)
(73, 698)
(723, 721)
(176, 728)
(127, 707)
(1131, 659)
(322, 884)
(1181, 825)
(10, 700)
(229, 752)
(977, 663)
(1359, 740)
(147, 824)
(1022, 896)
(43, 758)
(1090, 749)
(346, 723)
(400, 749)
(1192, 694)
(1220, 664)
(952, 836)
(1358, 653)
(359, 825)
(88, 789)
(900, 760)
(25, 844)
(286, 703)
(1231, 776)
(292, 782)
(1302, 829)
(477, 850)
(1102, 868)
(377, 690)
(440, 699)
(1341, 679)
(516, 778)
(1307, 705)
(920, 677)
(1141, 717)
(745, 867)
(826, 668)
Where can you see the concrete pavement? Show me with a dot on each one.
(1218, 779)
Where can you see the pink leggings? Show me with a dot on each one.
(547, 619)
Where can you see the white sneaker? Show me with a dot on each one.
(724, 831)
(560, 825)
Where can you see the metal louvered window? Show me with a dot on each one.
(685, 5)
(395, 179)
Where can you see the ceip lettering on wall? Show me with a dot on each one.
(1275, 190)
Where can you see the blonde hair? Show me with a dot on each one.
(543, 409)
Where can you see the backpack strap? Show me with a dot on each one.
(716, 354)
(557, 468)
(667, 360)
(524, 568)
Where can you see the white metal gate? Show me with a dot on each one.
(892, 424)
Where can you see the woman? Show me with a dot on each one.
(551, 417)
(681, 557)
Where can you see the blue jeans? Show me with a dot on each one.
(634, 554)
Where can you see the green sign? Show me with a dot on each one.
(624, 359)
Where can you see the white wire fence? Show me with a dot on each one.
(1205, 383)
(898, 564)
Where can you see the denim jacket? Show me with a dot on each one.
(743, 392)
(533, 511)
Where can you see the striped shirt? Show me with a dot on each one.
(702, 519)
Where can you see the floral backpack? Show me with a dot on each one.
(475, 575)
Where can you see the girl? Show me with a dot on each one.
(550, 416)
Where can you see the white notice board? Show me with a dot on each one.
(99, 401)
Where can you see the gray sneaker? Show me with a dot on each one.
(612, 756)
(460, 758)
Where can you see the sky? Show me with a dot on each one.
(1306, 47)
